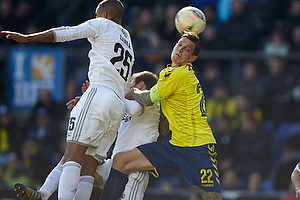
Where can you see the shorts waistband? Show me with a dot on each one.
(105, 86)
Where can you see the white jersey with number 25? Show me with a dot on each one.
(111, 55)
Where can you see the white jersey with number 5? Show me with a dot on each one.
(111, 55)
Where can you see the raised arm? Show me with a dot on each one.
(45, 36)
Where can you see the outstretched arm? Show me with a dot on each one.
(45, 36)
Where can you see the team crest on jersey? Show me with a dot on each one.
(189, 67)
(127, 118)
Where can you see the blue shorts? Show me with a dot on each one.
(198, 165)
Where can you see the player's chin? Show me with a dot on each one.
(175, 58)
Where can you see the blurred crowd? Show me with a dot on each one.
(252, 105)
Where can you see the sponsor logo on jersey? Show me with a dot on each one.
(167, 74)
(126, 118)
(124, 33)
(125, 41)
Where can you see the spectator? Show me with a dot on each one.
(45, 100)
(276, 46)
(252, 145)
(221, 103)
(263, 16)
(43, 132)
(13, 173)
(292, 18)
(210, 38)
(295, 39)
(10, 133)
(28, 11)
(211, 76)
(32, 164)
(168, 183)
(226, 140)
(147, 40)
(230, 32)
(275, 91)
(254, 182)
(210, 14)
(249, 83)
(166, 28)
(3, 185)
(283, 171)
(7, 19)
(231, 181)
(145, 31)
(63, 13)
(245, 109)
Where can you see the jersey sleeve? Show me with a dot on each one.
(87, 29)
(133, 108)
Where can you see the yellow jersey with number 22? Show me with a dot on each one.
(182, 102)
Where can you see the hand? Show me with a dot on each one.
(18, 37)
(128, 94)
(70, 105)
(85, 86)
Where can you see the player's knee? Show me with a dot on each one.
(119, 162)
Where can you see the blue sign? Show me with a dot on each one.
(32, 69)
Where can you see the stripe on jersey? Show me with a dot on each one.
(135, 186)
(83, 113)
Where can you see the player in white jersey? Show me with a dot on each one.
(95, 120)
(135, 129)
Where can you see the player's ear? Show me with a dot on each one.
(141, 85)
(193, 58)
(104, 14)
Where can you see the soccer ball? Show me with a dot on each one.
(190, 19)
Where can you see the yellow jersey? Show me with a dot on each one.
(182, 102)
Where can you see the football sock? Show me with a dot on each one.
(115, 185)
(51, 183)
(69, 180)
(85, 188)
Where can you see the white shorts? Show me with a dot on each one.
(95, 120)
(136, 185)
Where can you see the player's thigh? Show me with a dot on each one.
(129, 161)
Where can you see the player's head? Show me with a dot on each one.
(195, 39)
(110, 9)
(147, 78)
(187, 49)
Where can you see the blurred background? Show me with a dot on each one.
(249, 68)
